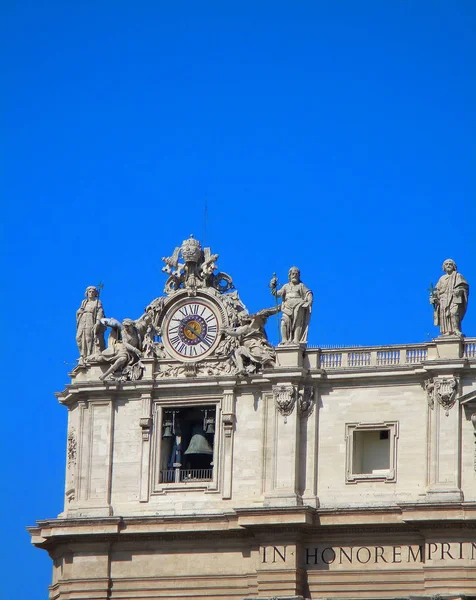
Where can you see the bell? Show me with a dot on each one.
(209, 426)
(167, 430)
(199, 443)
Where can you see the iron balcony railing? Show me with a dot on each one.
(179, 475)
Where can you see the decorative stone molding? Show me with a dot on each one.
(146, 424)
(353, 474)
(306, 401)
(70, 494)
(228, 421)
(285, 399)
(429, 388)
(443, 390)
(223, 367)
(228, 412)
(190, 369)
(72, 448)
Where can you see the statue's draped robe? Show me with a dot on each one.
(254, 344)
(452, 292)
(293, 309)
(88, 315)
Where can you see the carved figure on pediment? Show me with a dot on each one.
(296, 307)
(450, 300)
(124, 349)
(197, 270)
(89, 329)
(252, 351)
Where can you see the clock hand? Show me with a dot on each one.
(200, 337)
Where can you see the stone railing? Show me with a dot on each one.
(470, 349)
(372, 357)
(383, 356)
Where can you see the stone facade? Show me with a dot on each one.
(323, 474)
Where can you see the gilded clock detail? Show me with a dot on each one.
(192, 329)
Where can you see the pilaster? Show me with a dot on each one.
(284, 447)
(286, 476)
(308, 411)
(95, 446)
(444, 437)
(228, 426)
(146, 427)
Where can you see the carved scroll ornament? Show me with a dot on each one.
(306, 401)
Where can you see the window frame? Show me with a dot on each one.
(212, 486)
(391, 473)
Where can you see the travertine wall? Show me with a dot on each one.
(263, 457)
(404, 403)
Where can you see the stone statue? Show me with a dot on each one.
(252, 350)
(296, 307)
(89, 329)
(450, 299)
(124, 349)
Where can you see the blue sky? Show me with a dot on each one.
(335, 135)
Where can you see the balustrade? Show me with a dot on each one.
(470, 349)
(380, 356)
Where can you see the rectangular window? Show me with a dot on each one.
(371, 451)
(187, 445)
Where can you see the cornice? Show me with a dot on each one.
(256, 521)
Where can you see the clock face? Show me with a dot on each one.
(192, 329)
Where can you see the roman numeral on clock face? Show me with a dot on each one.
(192, 329)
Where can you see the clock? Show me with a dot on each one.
(191, 329)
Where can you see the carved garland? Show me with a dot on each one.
(72, 451)
(199, 369)
(72, 448)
